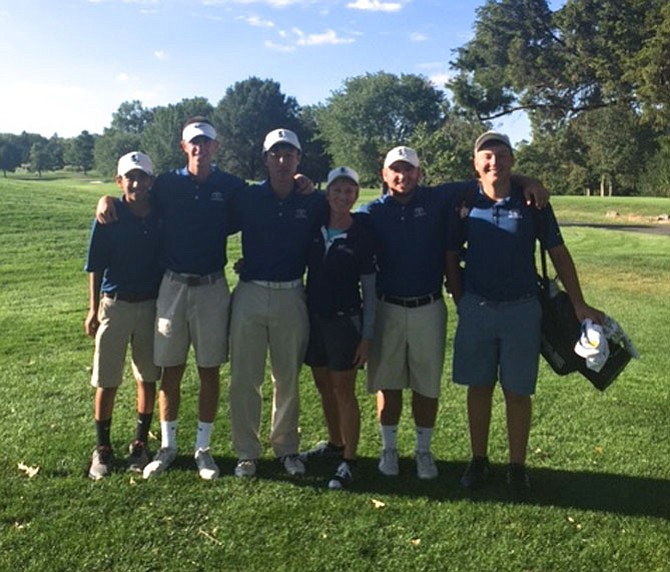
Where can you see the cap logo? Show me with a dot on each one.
(135, 158)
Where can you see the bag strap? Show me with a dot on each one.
(540, 227)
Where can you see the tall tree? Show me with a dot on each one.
(555, 65)
(161, 138)
(246, 113)
(374, 112)
(38, 160)
(82, 151)
(446, 152)
(10, 155)
(131, 117)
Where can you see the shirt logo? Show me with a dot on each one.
(301, 213)
(217, 196)
(419, 212)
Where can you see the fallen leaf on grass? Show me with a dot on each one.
(415, 541)
(377, 503)
(598, 450)
(29, 471)
(208, 536)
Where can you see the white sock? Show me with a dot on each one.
(169, 434)
(389, 436)
(423, 438)
(203, 436)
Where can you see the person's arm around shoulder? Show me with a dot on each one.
(105, 211)
(567, 272)
(91, 322)
(533, 190)
(303, 184)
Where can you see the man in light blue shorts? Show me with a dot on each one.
(499, 314)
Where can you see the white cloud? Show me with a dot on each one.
(329, 37)
(279, 47)
(375, 6)
(418, 37)
(440, 79)
(271, 3)
(258, 22)
(161, 55)
(123, 77)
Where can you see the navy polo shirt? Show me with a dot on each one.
(335, 267)
(412, 240)
(500, 235)
(196, 217)
(276, 232)
(127, 252)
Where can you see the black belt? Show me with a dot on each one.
(129, 296)
(192, 280)
(411, 302)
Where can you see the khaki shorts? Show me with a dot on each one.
(196, 315)
(407, 348)
(122, 323)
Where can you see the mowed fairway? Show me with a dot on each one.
(599, 462)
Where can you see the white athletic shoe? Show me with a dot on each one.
(388, 463)
(245, 468)
(207, 468)
(293, 465)
(425, 465)
(163, 459)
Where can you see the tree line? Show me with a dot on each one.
(593, 77)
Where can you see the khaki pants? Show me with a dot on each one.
(266, 318)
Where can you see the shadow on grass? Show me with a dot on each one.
(617, 494)
(606, 492)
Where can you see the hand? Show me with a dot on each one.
(584, 311)
(91, 323)
(105, 211)
(536, 194)
(304, 184)
(361, 356)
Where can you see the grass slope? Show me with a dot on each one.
(599, 462)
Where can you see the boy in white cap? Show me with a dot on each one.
(194, 299)
(124, 274)
(269, 311)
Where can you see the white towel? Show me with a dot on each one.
(592, 345)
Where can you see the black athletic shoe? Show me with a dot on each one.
(323, 451)
(476, 474)
(518, 482)
(343, 478)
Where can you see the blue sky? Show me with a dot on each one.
(66, 66)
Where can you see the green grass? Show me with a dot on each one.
(600, 462)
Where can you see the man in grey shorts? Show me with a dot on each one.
(499, 314)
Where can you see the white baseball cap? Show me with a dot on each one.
(402, 153)
(342, 173)
(281, 136)
(134, 160)
(490, 136)
(193, 130)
